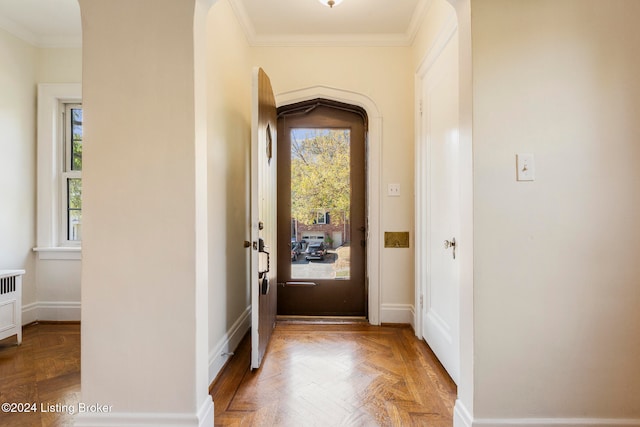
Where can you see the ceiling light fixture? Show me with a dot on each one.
(330, 3)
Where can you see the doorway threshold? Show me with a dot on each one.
(324, 320)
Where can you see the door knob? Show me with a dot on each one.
(451, 244)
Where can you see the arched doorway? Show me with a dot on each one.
(373, 185)
(321, 209)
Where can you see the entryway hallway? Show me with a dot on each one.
(336, 375)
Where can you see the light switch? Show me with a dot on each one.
(526, 167)
(394, 190)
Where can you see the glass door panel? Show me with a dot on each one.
(320, 203)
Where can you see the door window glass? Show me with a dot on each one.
(320, 203)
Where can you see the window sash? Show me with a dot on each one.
(67, 117)
(67, 237)
(69, 233)
(52, 98)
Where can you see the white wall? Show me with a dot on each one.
(384, 75)
(229, 136)
(18, 71)
(60, 65)
(144, 282)
(51, 288)
(556, 260)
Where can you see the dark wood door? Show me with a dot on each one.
(263, 216)
(321, 209)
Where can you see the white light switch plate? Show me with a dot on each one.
(394, 190)
(526, 167)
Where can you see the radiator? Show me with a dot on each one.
(11, 304)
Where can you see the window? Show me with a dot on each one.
(322, 217)
(72, 174)
(60, 140)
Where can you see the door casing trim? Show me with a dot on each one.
(374, 172)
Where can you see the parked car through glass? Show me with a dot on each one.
(315, 251)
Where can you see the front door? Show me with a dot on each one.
(263, 215)
(321, 209)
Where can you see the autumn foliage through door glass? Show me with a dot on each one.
(320, 203)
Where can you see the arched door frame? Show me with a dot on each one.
(374, 145)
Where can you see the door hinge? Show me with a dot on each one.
(420, 107)
(421, 301)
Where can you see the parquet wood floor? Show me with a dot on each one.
(336, 375)
(313, 375)
(45, 369)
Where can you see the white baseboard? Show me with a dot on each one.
(397, 313)
(228, 343)
(204, 417)
(555, 422)
(29, 313)
(57, 311)
(461, 415)
(462, 418)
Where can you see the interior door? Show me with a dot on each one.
(440, 179)
(263, 215)
(321, 209)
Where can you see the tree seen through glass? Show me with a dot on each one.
(74, 183)
(76, 139)
(320, 203)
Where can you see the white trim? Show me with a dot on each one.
(449, 341)
(243, 20)
(220, 353)
(421, 252)
(555, 422)
(203, 417)
(417, 19)
(29, 313)
(18, 30)
(56, 311)
(351, 40)
(397, 313)
(331, 40)
(59, 310)
(439, 43)
(461, 415)
(50, 97)
(41, 41)
(59, 253)
(374, 173)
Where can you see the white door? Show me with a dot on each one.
(263, 216)
(439, 208)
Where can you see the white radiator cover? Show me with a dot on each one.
(11, 304)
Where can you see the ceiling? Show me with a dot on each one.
(56, 23)
(43, 23)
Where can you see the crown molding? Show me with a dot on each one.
(27, 36)
(18, 31)
(350, 40)
(243, 19)
(422, 9)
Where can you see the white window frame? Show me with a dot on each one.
(51, 217)
(321, 214)
(66, 171)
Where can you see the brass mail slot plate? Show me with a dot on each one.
(396, 239)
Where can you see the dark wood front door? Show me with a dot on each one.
(321, 209)
(263, 216)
